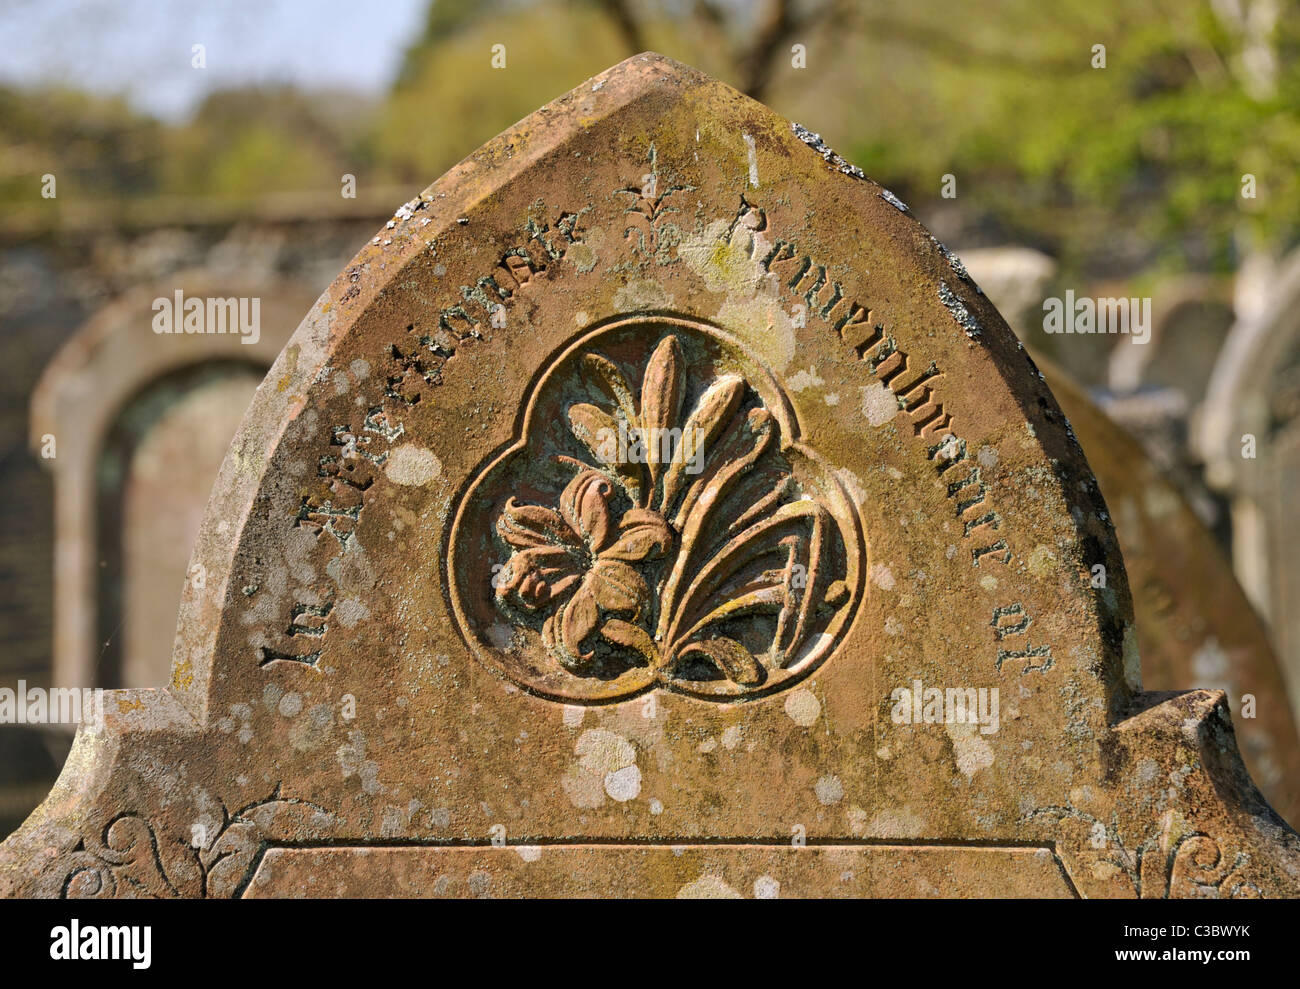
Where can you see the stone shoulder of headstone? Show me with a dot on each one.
(654, 507)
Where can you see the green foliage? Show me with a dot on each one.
(247, 142)
(451, 99)
(1151, 148)
(94, 146)
(1135, 167)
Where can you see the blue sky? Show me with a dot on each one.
(142, 49)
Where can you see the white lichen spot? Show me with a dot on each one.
(882, 577)
(291, 705)
(572, 715)
(726, 256)
(857, 820)
(656, 806)
(412, 465)
(349, 610)
(893, 626)
(731, 736)
(832, 399)
(603, 751)
(623, 784)
(973, 752)
(1148, 771)
(708, 887)
(829, 790)
(900, 822)
(529, 853)
(1041, 561)
(767, 888)
(989, 582)
(803, 707)
(804, 379)
(879, 404)
(641, 294)
(584, 788)
(605, 766)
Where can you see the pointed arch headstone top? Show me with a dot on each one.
(654, 506)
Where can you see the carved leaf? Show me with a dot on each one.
(584, 503)
(616, 586)
(599, 432)
(565, 631)
(733, 659)
(527, 526)
(662, 391)
(743, 445)
(602, 376)
(714, 410)
(740, 550)
(538, 575)
(645, 536)
(771, 598)
(633, 637)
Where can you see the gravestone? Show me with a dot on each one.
(1248, 433)
(1194, 623)
(1191, 317)
(463, 634)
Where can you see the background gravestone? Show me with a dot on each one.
(141, 421)
(449, 645)
(1249, 437)
(1194, 623)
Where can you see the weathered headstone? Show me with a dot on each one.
(465, 635)
(1194, 623)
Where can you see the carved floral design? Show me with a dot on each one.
(651, 233)
(1167, 864)
(129, 858)
(663, 559)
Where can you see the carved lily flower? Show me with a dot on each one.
(577, 557)
(748, 556)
